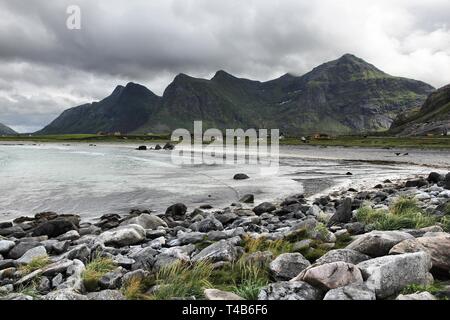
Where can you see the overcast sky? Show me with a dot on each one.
(46, 68)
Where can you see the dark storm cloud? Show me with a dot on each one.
(45, 68)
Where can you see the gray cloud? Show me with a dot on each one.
(46, 68)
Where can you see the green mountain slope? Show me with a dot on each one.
(123, 111)
(432, 118)
(347, 95)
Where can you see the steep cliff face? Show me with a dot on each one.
(347, 95)
(432, 118)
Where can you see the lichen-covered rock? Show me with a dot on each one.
(356, 291)
(288, 265)
(378, 243)
(344, 255)
(417, 296)
(390, 274)
(146, 221)
(123, 236)
(288, 290)
(222, 250)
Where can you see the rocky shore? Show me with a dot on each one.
(387, 242)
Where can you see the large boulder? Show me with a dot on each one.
(214, 294)
(123, 236)
(344, 255)
(390, 274)
(288, 290)
(19, 249)
(222, 250)
(356, 291)
(438, 248)
(146, 221)
(331, 275)
(54, 228)
(378, 243)
(288, 265)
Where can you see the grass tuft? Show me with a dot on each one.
(96, 269)
(35, 264)
(277, 247)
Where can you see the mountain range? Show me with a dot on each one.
(7, 131)
(344, 96)
(432, 118)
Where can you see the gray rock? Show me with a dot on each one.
(44, 286)
(288, 265)
(225, 217)
(356, 291)
(69, 236)
(147, 221)
(264, 207)
(28, 278)
(111, 280)
(331, 275)
(81, 252)
(241, 176)
(136, 275)
(60, 266)
(248, 198)
(32, 254)
(343, 255)
(288, 290)
(216, 235)
(390, 274)
(107, 295)
(123, 236)
(209, 224)
(176, 211)
(378, 243)
(57, 280)
(214, 294)
(60, 247)
(144, 258)
(64, 294)
(343, 213)
(188, 238)
(22, 247)
(447, 181)
(219, 251)
(75, 280)
(6, 246)
(421, 296)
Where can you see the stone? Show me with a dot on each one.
(136, 275)
(209, 224)
(81, 252)
(54, 228)
(343, 255)
(176, 211)
(355, 228)
(288, 265)
(144, 258)
(57, 280)
(111, 280)
(356, 291)
(288, 290)
(146, 221)
(14, 231)
(32, 254)
(247, 198)
(44, 286)
(343, 213)
(331, 275)
(20, 248)
(390, 274)
(241, 176)
(378, 243)
(75, 277)
(214, 294)
(263, 208)
(69, 236)
(60, 247)
(106, 295)
(437, 247)
(416, 183)
(421, 296)
(28, 278)
(447, 181)
(6, 246)
(123, 236)
(435, 177)
(58, 267)
(222, 250)
(188, 238)
(64, 294)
